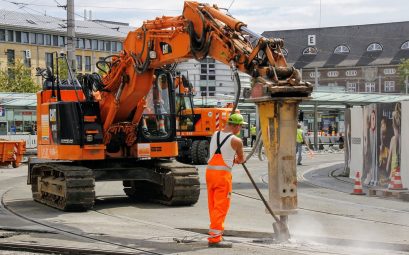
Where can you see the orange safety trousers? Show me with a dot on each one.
(219, 188)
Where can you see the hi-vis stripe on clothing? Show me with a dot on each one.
(219, 188)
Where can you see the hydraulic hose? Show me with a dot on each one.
(238, 86)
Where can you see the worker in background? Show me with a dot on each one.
(300, 141)
(226, 149)
(253, 133)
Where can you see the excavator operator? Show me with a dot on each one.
(226, 150)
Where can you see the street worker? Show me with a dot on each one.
(253, 133)
(226, 149)
(300, 140)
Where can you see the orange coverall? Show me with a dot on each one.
(219, 188)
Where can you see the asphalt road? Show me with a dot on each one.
(329, 220)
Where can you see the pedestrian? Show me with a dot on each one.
(226, 149)
(300, 139)
(253, 133)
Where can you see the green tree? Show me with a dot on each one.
(403, 73)
(17, 78)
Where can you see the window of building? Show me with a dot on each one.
(2, 35)
(25, 37)
(55, 40)
(108, 46)
(351, 86)
(47, 39)
(389, 86)
(49, 60)
(203, 89)
(369, 86)
(389, 71)
(119, 46)
(11, 57)
(94, 44)
(113, 46)
(10, 35)
(341, 49)
(333, 74)
(87, 63)
(40, 39)
(374, 47)
(33, 39)
(80, 43)
(211, 94)
(284, 51)
(351, 73)
(18, 36)
(87, 44)
(207, 69)
(212, 88)
(79, 62)
(405, 46)
(101, 45)
(61, 41)
(310, 51)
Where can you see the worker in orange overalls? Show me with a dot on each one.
(225, 150)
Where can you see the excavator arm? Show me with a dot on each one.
(202, 30)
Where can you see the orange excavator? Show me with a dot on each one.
(122, 126)
(196, 125)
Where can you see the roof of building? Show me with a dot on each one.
(390, 36)
(10, 99)
(32, 22)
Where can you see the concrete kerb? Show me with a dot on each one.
(328, 166)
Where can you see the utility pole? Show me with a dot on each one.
(406, 83)
(71, 34)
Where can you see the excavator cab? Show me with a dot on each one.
(185, 116)
(157, 116)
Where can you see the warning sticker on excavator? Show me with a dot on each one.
(45, 127)
(144, 150)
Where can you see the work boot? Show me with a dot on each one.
(221, 244)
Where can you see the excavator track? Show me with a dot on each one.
(64, 187)
(180, 186)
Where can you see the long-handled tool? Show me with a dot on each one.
(280, 226)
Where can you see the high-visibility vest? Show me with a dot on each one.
(300, 135)
(253, 131)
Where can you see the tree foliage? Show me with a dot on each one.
(17, 78)
(403, 72)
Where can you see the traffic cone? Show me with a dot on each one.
(396, 182)
(357, 186)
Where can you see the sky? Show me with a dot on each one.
(259, 15)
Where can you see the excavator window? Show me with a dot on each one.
(157, 116)
(184, 113)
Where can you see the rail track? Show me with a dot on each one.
(190, 238)
(196, 238)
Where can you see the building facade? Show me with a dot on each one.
(32, 40)
(361, 58)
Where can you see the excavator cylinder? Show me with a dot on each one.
(250, 32)
(229, 21)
